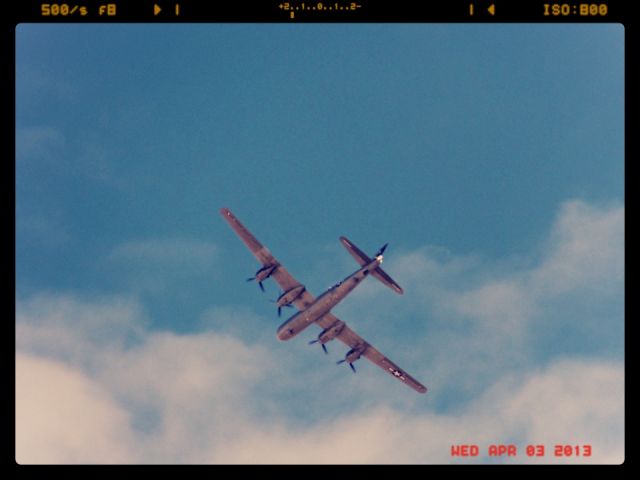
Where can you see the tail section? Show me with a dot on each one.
(363, 259)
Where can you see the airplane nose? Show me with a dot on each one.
(285, 334)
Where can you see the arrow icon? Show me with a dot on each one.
(492, 9)
(156, 9)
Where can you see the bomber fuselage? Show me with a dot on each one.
(325, 302)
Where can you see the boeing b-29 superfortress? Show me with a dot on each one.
(318, 310)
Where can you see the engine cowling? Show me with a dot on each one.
(262, 274)
(352, 355)
(329, 334)
(265, 272)
(290, 296)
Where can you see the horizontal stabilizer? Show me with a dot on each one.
(363, 259)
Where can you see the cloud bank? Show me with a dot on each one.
(96, 384)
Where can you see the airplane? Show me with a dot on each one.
(318, 310)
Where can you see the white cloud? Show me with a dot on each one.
(162, 386)
(187, 391)
(63, 416)
(502, 305)
(560, 404)
(213, 398)
(574, 402)
(586, 251)
(203, 414)
(77, 330)
(196, 398)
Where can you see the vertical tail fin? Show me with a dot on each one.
(363, 259)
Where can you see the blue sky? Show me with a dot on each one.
(489, 156)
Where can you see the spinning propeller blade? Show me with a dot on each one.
(324, 347)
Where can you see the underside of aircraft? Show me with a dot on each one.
(317, 310)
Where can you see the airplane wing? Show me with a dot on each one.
(265, 257)
(353, 340)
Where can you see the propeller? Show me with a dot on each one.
(381, 251)
(259, 283)
(350, 364)
(280, 306)
(324, 347)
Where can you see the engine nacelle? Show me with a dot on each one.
(262, 274)
(265, 272)
(331, 332)
(353, 355)
(290, 296)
